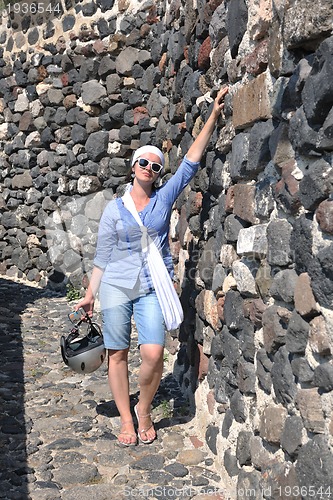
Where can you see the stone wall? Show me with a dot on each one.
(251, 236)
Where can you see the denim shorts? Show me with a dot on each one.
(118, 305)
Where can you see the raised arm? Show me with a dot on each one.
(198, 147)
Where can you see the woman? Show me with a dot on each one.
(121, 274)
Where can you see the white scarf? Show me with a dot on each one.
(164, 288)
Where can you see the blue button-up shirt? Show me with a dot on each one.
(119, 251)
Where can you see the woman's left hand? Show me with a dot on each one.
(219, 101)
(199, 145)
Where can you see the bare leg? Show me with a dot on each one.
(119, 385)
(149, 380)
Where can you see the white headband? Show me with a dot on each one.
(147, 149)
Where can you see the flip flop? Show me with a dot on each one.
(140, 431)
(124, 433)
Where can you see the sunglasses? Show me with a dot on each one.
(155, 167)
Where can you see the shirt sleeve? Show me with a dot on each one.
(175, 185)
(107, 236)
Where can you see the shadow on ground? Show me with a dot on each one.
(169, 406)
(15, 298)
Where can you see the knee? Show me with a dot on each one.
(152, 355)
(117, 356)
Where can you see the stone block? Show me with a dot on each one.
(194, 203)
(208, 334)
(325, 137)
(318, 87)
(321, 276)
(259, 455)
(305, 303)
(246, 377)
(286, 190)
(217, 27)
(291, 438)
(278, 238)
(207, 262)
(283, 378)
(264, 280)
(243, 452)
(198, 332)
(280, 146)
(126, 60)
(218, 278)
(254, 309)
(264, 197)
(252, 102)
(239, 156)
(228, 255)
(230, 463)
(283, 285)
(244, 203)
(316, 184)
(227, 423)
(302, 370)
(319, 339)
(206, 306)
(323, 377)
(211, 402)
(229, 284)
(302, 137)
(93, 92)
(304, 22)
(301, 243)
(272, 422)
(249, 482)
(279, 481)
(233, 310)
(259, 152)
(22, 181)
(297, 334)
(229, 200)
(244, 271)
(309, 404)
(275, 321)
(324, 216)
(252, 241)
(204, 53)
(247, 341)
(238, 407)
(211, 437)
(232, 226)
(237, 17)
(257, 61)
(315, 464)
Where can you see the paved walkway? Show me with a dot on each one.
(58, 429)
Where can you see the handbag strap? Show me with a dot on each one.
(145, 238)
(129, 204)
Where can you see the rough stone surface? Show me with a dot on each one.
(310, 406)
(315, 450)
(272, 422)
(251, 235)
(291, 438)
(59, 428)
(251, 103)
(305, 303)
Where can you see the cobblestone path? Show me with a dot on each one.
(58, 429)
